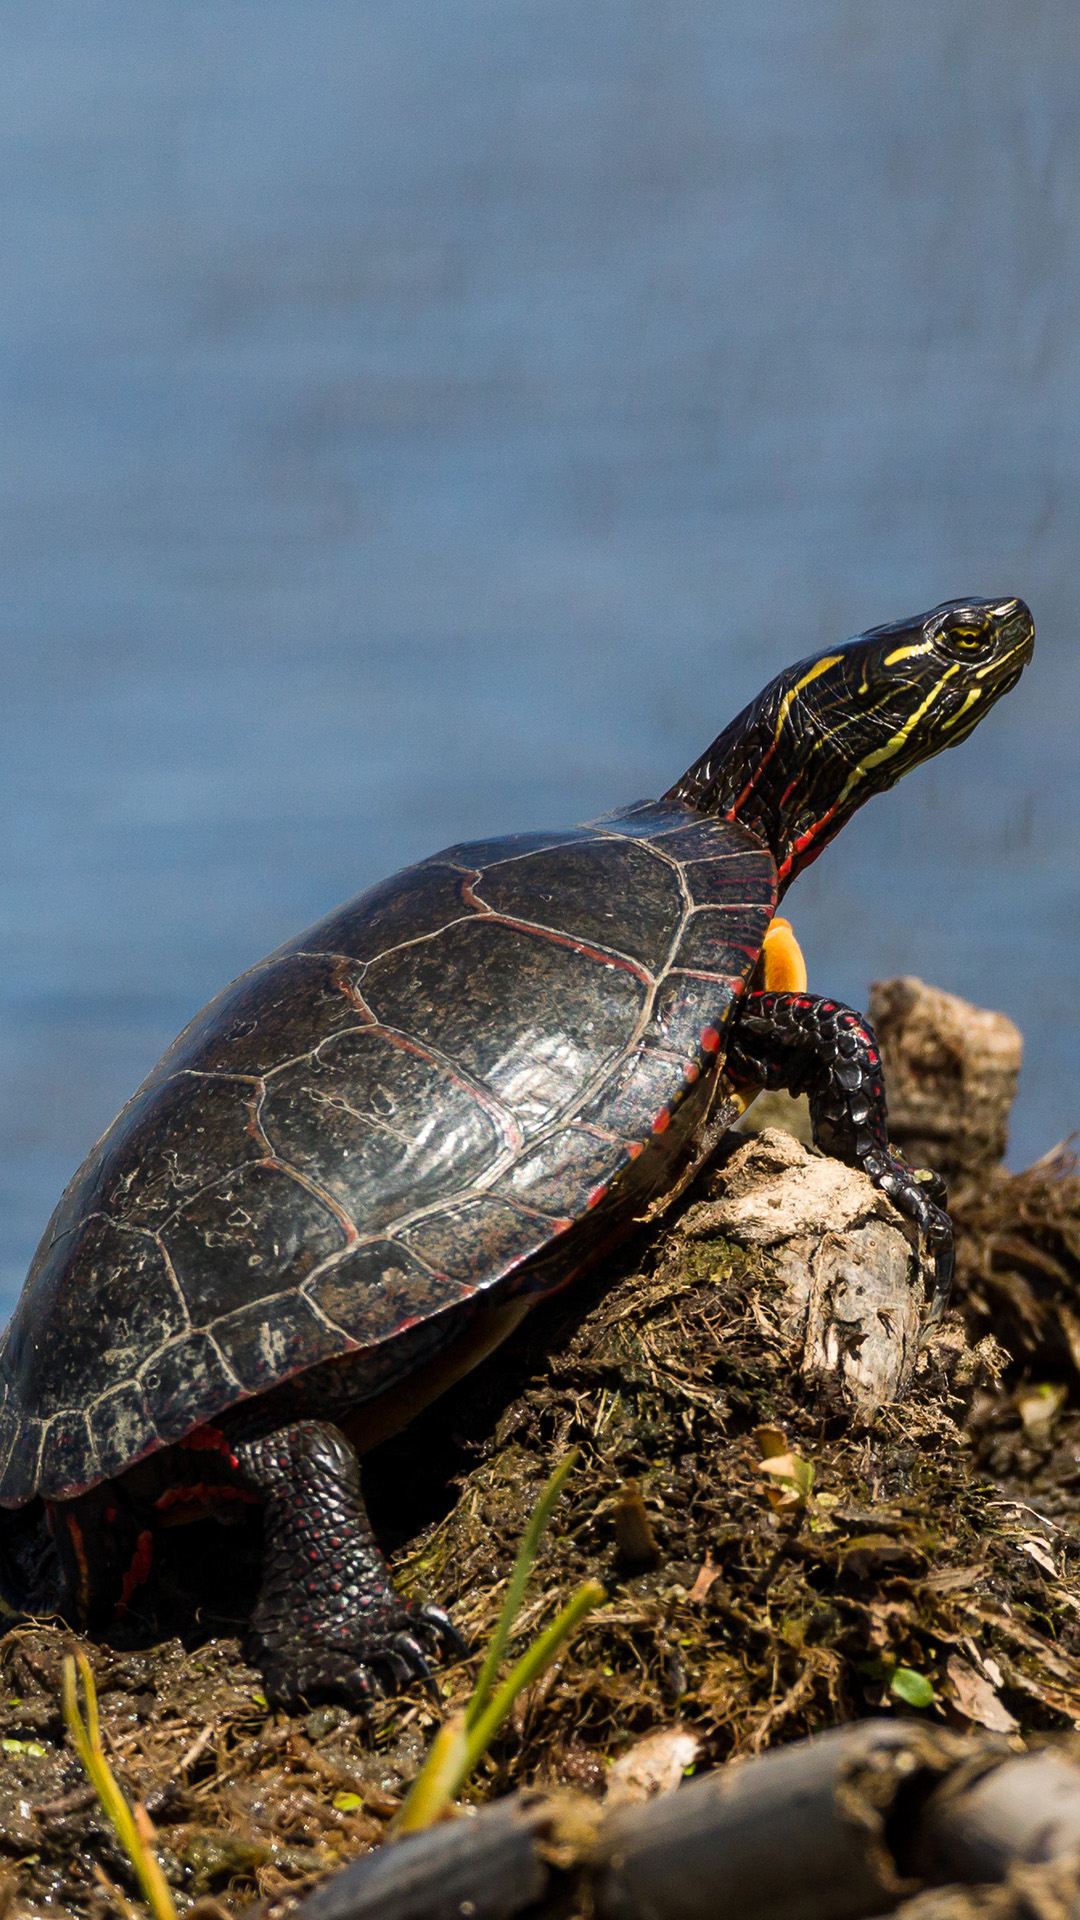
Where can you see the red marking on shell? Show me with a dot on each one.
(662, 1121)
(634, 1147)
(138, 1570)
(341, 983)
(710, 1040)
(596, 1196)
(605, 957)
(692, 1072)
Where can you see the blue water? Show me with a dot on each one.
(428, 418)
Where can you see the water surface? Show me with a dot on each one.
(434, 418)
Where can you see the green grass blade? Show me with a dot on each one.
(457, 1748)
(535, 1661)
(530, 1541)
(86, 1739)
(432, 1790)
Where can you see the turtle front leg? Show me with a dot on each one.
(327, 1624)
(823, 1049)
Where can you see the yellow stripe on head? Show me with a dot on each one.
(975, 694)
(819, 666)
(906, 653)
(899, 739)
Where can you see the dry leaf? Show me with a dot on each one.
(699, 1590)
(1038, 1553)
(655, 1765)
(976, 1699)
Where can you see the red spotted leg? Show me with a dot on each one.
(327, 1623)
(823, 1049)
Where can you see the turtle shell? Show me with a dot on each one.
(446, 1091)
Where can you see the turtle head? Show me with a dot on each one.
(847, 723)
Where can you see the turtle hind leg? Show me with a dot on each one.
(328, 1624)
(819, 1047)
(82, 1559)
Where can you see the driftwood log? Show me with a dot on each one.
(842, 1827)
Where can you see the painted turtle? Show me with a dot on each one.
(359, 1166)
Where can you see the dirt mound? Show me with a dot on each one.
(927, 1565)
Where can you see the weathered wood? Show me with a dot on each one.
(853, 1285)
(950, 1075)
(796, 1835)
(845, 1826)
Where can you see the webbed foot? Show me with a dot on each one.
(392, 1651)
(328, 1624)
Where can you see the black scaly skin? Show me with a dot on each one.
(819, 1047)
(328, 1623)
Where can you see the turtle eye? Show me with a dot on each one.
(963, 642)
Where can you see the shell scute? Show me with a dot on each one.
(704, 947)
(740, 877)
(641, 1084)
(381, 1287)
(122, 1428)
(561, 1173)
(410, 906)
(21, 1470)
(687, 1003)
(570, 1016)
(273, 1338)
(169, 1143)
(65, 1341)
(480, 1234)
(246, 1237)
(510, 846)
(611, 893)
(381, 1126)
(281, 1008)
(186, 1383)
(68, 1451)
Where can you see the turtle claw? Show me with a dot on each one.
(389, 1654)
(394, 1662)
(916, 1193)
(449, 1640)
(413, 1655)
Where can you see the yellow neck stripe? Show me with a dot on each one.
(819, 666)
(899, 738)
